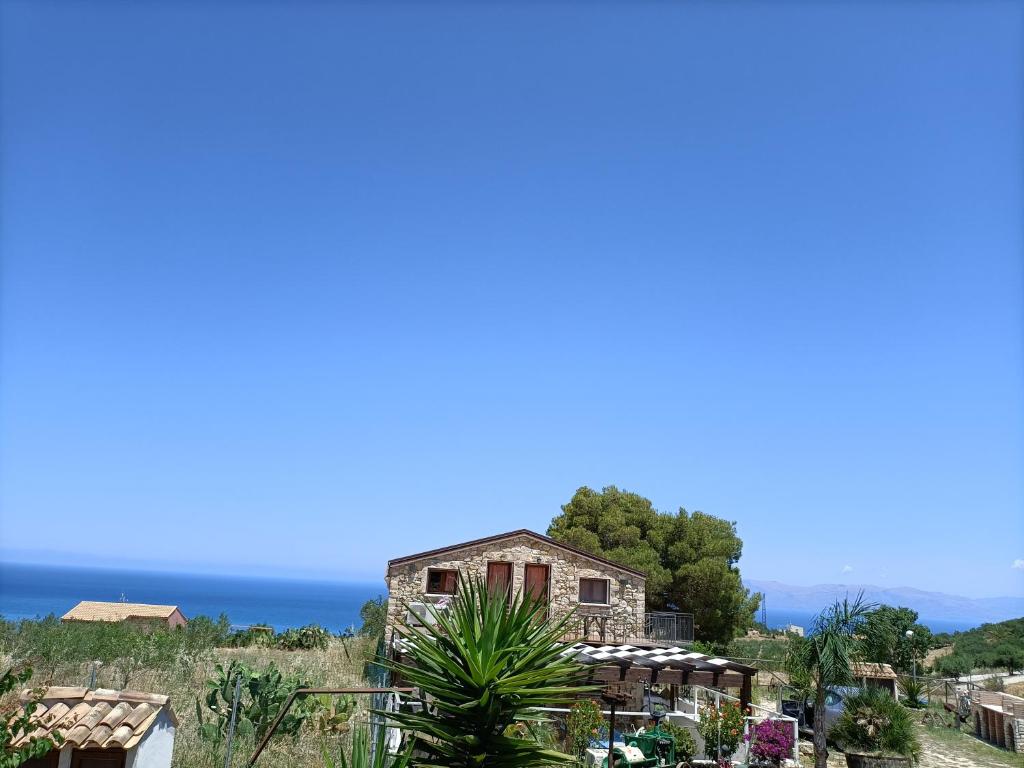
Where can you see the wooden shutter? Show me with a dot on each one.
(499, 578)
(537, 581)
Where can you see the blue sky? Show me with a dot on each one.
(299, 287)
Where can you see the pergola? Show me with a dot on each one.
(662, 666)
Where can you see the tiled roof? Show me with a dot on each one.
(872, 670)
(90, 610)
(653, 658)
(100, 718)
(510, 535)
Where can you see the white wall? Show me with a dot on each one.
(156, 747)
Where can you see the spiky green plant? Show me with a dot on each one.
(873, 722)
(825, 658)
(913, 689)
(483, 665)
(362, 756)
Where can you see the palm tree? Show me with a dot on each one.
(483, 665)
(825, 657)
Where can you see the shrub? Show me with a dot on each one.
(374, 614)
(585, 722)
(913, 689)
(721, 725)
(311, 637)
(995, 683)
(686, 747)
(14, 724)
(261, 697)
(772, 741)
(873, 722)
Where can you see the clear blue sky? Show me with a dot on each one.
(299, 287)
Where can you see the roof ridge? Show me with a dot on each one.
(510, 534)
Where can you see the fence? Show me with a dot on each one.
(655, 627)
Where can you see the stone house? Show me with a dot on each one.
(608, 597)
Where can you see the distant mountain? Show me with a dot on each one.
(935, 606)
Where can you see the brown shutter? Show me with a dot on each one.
(537, 581)
(499, 578)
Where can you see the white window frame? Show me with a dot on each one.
(426, 585)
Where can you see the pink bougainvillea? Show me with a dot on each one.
(772, 741)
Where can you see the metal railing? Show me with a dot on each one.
(599, 625)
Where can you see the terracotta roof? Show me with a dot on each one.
(872, 670)
(511, 534)
(101, 718)
(90, 610)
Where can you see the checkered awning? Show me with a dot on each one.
(652, 658)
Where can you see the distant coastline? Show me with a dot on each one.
(33, 591)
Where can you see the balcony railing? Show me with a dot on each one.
(658, 627)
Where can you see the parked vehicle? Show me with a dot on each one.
(803, 709)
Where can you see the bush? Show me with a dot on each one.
(721, 725)
(14, 724)
(874, 723)
(686, 747)
(954, 665)
(585, 722)
(374, 614)
(262, 695)
(772, 741)
(311, 637)
(913, 689)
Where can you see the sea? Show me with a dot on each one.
(34, 591)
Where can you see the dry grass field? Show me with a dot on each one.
(341, 665)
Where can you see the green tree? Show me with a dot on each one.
(690, 558)
(954, 665)
(374, 614)
(885, 638)
(824, 658)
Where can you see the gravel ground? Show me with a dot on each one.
(946, 750)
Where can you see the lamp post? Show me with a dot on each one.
(913, 656)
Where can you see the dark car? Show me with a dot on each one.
(803, 709)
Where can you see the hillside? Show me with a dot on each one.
(999, 645)
(929, 605)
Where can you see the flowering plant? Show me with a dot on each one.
(721, 725)
(585, 723)
(771, 741)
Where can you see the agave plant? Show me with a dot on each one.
(362, 755)
(482, 666)
(913, 689)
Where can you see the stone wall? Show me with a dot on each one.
(407, 582)
(998, 718)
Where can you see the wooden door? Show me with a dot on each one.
(499, 579)
(98, 758)
(537, 581)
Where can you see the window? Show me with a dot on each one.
(499, 579)
(442, 581)
(594, 591)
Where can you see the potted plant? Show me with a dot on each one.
(876, 731)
